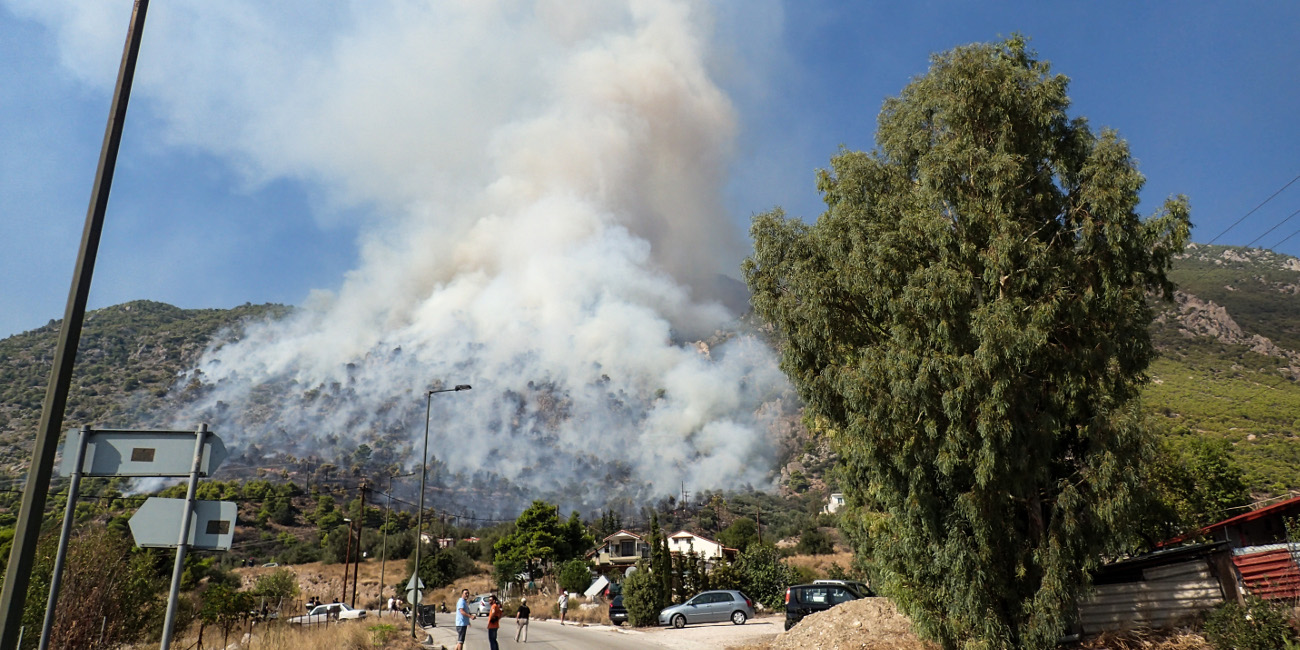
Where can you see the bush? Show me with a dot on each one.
(641, 598)
(763, 576)
(575, 575)
(815, 542)
(1257, 625)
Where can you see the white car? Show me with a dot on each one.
(329, 612)
(480, 605)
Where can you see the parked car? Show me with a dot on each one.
(802, 600)
(858, 587)
(480, 605)
(617, 612)
(329, 612)
(710, 607)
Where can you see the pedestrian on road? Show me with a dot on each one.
(564, 605)
(521, 618)
(494, 622)
(463, 617)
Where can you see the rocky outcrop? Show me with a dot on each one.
(1197, 317)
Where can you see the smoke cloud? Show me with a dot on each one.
(543, 188)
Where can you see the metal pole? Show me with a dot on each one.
(187, 517)
(383, 549)
(28, 528)
(347, 564)
(424, 471)
(356, 568)
(74, 486)
(419, 517)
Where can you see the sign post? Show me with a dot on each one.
(169, 622)
(208, 525)
(74, 486)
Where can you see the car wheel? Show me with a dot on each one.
(679, 621)
(788, 624)
(738, 617)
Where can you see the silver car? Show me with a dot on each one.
(710, 607)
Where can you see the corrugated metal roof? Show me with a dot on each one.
(1278, 507)
(1270, 574)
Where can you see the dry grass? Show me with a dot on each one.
(820, 564)
(1147, 640)
(352, 635)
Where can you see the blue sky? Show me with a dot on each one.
(1206, 94)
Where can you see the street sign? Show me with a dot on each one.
(157, 524)
(146, 453)
(414, 590)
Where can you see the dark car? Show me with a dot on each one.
(617, 612)
(802, 600)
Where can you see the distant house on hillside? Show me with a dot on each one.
(683, 542)
(835, 502)
(619, 551)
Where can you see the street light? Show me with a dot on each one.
(424, 471)
(383, 562)
(347, 562)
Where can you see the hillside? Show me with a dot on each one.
(1230, 360)
(128, 360)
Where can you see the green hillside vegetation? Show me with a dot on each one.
(1203, 386)
(128, 360)
(1228, 392)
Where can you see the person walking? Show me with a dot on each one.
(494, 622)
(463, 617)
(521, 619)
(564, 605)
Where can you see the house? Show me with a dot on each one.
(1267, 563)
(683, 542)
(619, 551)
(835, 502)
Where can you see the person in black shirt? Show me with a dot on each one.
(521, 618)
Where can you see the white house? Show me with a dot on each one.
(834, 503)
(683, 542)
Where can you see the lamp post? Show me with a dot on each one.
(347, 562)
(424, 471)
(383, 560)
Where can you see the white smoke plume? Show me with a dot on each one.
(548, 176)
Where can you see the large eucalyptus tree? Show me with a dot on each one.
(967, 322)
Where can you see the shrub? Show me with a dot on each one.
(1257, 625)
(641, 598)
(763, 576)
(575, 575)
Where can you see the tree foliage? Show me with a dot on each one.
(967, 322)
(763, 576)
(740, 534)
(540, 539)
(575, 575)
(106, 590)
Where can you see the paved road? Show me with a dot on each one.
(544, 635)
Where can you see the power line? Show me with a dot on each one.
(1252, 210)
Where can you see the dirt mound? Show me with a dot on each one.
(864, 624)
